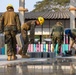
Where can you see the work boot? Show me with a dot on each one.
(20, 52)
(14, 57)
(9, 58)
(25, 56)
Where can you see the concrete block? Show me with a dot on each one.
(31, 54)
(52, 54)
(45, 55)
(35, 54)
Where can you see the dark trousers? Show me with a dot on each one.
(26, 39)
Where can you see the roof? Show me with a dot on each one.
(48, 15)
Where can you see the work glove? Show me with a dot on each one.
(1, 32)
(19, 31)
(51, 36)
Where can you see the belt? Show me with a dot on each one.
(10, 25)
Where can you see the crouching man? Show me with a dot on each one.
(29, 25)
(72, 34)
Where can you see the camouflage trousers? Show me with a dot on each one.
(10, 40)
(57, 40)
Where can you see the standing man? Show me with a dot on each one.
(30, 25)
(57, 35)
(10, 25)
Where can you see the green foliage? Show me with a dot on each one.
(62, 2)
(50, 5)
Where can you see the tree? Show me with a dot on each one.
(52, 5)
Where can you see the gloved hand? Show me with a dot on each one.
(1, 32)
(51, 36)
(62, 37)
(19, 31)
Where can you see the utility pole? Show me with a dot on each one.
(22, 10)
(72, 13)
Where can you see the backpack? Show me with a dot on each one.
(57, 31)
